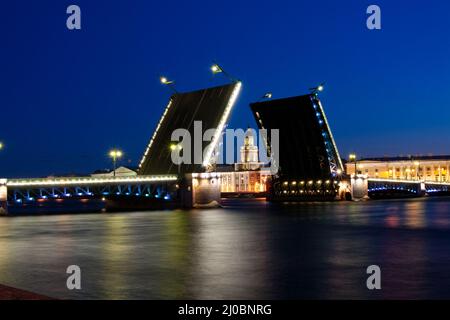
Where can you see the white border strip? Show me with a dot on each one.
(223, 120)
(154, 133)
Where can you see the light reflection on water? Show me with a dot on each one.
(248, 250)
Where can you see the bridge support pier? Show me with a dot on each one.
(205, 190)
(360, 187)
(3, 197)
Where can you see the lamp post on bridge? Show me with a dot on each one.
(352, 157)
(169, 83)
(178, 147)
(317, 89)
(215, 69)
(115, 154)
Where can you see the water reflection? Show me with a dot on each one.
(249, 250)
(414, 212)
(232, 262)
(115, 256)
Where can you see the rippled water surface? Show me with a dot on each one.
(247, 250)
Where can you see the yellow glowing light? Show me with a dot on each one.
(352, 157)
(1, 145)
(115, 154)
(164, 80)
(215, 68)
(174, 146)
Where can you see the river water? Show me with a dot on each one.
(249, 249)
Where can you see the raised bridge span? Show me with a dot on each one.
(159, 183)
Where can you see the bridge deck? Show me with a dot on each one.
(70, 181)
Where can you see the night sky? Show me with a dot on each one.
(67, 97)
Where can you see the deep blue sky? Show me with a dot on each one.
(67, 97)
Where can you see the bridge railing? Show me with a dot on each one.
(70, 181)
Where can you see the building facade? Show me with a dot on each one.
(249, 175)
(428, 168)
(244, 181)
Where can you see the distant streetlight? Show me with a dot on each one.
(174, 147)
(268, 95)
(215, 68)
(1, 145)
(352, 157)
(170, 83)
(115, 154)
(317, 89)
(166, 81)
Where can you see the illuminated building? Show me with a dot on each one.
(249, 175)
(427, 168)
(120, 172)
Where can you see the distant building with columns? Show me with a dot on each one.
(427, 168)
(249, 175)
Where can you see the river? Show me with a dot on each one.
(249, 249)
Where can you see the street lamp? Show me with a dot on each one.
(115, 154)
(352, 157)
(1, 145)
(174, 147)
(317, 89)
(170, 83)
(215, 68)
(268, 95)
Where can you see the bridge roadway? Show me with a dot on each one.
(74, 191)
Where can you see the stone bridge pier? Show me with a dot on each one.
(206, 190)
(3, 197)
(359, 187)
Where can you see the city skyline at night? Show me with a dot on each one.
(71, 96)
(224, 159)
